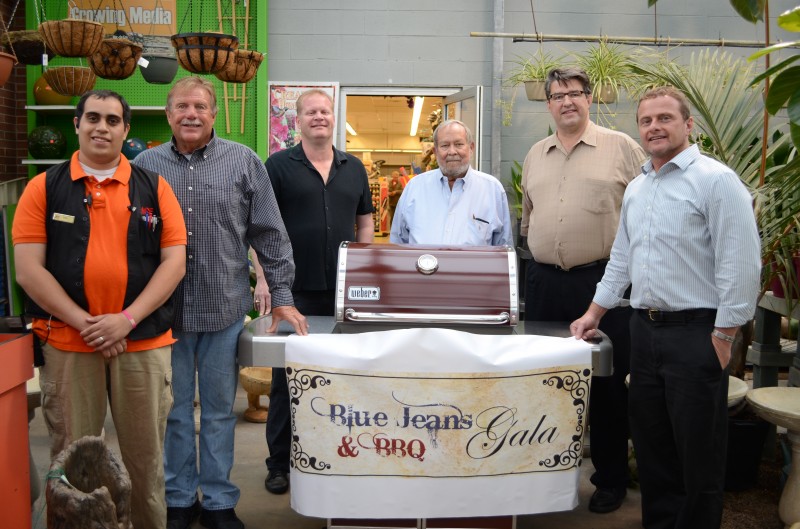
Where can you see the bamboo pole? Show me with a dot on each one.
(647, 41)
(224, 84)
(246, 46)
(234, 31)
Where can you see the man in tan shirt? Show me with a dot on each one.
(573, 183)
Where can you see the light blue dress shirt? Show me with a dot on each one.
(474, 212)
(687, 240)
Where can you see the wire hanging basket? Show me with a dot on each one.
(116, 59)
(242, 68)
(72, 37)
(204, 52)
(70, 80)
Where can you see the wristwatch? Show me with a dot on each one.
(722, 336)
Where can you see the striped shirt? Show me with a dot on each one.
(687, 240)
(227, 202)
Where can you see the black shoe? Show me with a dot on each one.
(277, 481)
(605, 500)
(222, 519)
(182, 517)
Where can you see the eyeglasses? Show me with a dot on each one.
(573, 94)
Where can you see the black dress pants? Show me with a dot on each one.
(556, 295)
(679, 423)
(279, 423)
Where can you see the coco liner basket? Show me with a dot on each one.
(72, 37)
(28, 46)
(241, 68)
(204, 52)
(116, 59)
(70, 80)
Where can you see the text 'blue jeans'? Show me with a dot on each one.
(213, 356)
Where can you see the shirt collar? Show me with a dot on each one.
(589, 137)
(297, 153)
(121, 175)
(202, 150)
(467, 178)
(682, 160)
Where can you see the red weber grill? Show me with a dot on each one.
(386, 286)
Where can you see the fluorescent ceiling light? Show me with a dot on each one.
(415, 118)
(350, 129)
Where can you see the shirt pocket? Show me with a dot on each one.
(480, 229)
(598, 196)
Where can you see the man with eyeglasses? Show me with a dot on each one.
(573, 182)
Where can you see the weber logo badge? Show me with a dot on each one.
(364, 293)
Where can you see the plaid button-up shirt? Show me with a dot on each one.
(227, 201)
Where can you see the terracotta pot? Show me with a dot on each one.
(160, 70)
(7, 62)
(72, 37)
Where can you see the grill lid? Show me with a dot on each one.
(412, 285)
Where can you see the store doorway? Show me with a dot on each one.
(390, 129)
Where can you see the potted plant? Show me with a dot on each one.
(532, 71)
(608, 68)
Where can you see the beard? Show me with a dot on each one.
(454, 169)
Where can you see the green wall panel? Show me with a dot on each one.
(200, 15)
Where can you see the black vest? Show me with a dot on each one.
(67, 242)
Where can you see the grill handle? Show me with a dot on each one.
(400, 317)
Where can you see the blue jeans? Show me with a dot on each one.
(213, 354)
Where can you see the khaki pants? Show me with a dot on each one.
(76, 391)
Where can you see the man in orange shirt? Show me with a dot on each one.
(99, 248)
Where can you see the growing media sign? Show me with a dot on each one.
(421, 423)
(147, 17)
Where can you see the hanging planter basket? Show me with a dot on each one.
(241, 68)
(7, 62)
(534, 90)
(160, 69)
(28, 46)
(70, 80)
(204, 52)
(116, 59)
(72, 37)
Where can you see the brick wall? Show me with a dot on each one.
(13, 119)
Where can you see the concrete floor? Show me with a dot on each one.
(259, 509)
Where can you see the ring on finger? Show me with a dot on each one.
(102, 339)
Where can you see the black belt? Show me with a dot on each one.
(680, 316)
(599, 262)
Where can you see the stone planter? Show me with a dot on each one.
(535, 91)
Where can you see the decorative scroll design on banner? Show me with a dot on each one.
(299, 383)
(300, 459)
(577, 384)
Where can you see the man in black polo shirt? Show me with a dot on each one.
(324, 198)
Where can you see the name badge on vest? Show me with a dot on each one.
(63, 217)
